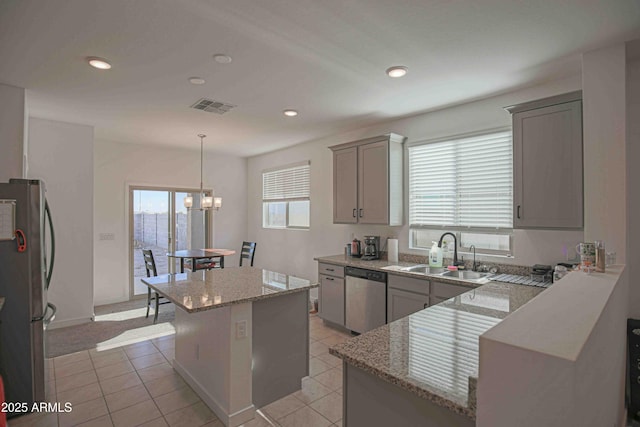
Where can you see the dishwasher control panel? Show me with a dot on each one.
(376, 276)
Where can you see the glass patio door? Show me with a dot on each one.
(160, 222)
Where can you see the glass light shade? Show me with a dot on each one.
(188, 202)
(217, 202)
(207, 202)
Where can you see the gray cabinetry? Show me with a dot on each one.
(441, 291)
(331, 293)
(405, 296)
(367, 181)
(547, 163)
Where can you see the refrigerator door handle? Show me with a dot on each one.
(53, 245)
(51, 318)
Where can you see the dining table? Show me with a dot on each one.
(198, 254)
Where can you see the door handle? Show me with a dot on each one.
(354, 212)
(361, 211)
(518, 212)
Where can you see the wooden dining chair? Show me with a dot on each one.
(248, 251)
(150, 266)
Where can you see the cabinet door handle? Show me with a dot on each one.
(330, 269)
(361, 211)
(354, 212)
(518, 211)
(329, 278)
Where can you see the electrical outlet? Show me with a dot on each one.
(107, 236)
(241, 329)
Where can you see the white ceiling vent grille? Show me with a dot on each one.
(211, 106)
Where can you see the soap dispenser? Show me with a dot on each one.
(435, 256)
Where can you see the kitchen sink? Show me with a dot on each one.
(425, 269)
(466, 274)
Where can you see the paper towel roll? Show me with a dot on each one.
(392, 250)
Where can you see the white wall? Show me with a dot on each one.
(12, 128)
(293, 251)
(118, 165)
(62, 155)
(633, 177)
(604, 106)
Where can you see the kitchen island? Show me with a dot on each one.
(423, 369)
(242, 336)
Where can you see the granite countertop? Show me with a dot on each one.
(206, 290)
(434, 353)
(389, 267)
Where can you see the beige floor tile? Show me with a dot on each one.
(50, 394)
(175, 400)
(214, 423)
(329, 407)
(94, 352)
(169, 354)
(165, 344)
(260, 420)
(306, 417)
(317, 348)
(135, 415)
(103, 360)
(158, 422)
(330, 359)
(80, 394)
(83, 412)
(104, 421)
(331, 378)
(338, 423)
(165, 385)
(149, 360)
(114, 370)
(120, 383)
(35, 419)
(311, 390)
(320, 333)
(140, 349)
(317, 366)
(73, 368)
(125, 398)
(155, 372)
(283, 407)
(70, 358)
(191, 416)
(334, 339)
(75, 381)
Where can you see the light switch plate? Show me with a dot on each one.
(241, 329)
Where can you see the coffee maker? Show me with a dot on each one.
(371, 247)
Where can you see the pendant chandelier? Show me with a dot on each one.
(206, 202)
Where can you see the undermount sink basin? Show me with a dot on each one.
(466, 274)
(425, 269)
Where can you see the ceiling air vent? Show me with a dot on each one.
(211, 106)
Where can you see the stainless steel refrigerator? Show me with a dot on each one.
(27, 252)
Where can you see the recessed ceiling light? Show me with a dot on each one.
(397, 71)
(99, 63)
(196, 80)
(290, 113)
(221, 58)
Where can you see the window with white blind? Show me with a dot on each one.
(285, 197)
(465, 185)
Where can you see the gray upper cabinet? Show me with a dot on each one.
(547, 163)
(367, 181)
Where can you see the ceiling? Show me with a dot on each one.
(325, 58)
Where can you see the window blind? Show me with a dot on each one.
(287, 184)
(464, 182)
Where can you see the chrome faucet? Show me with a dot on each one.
(474, 257)
(455, 246)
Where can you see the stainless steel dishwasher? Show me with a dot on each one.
(365, 299)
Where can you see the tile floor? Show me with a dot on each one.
(135, 385)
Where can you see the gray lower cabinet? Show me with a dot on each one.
(331, 293)
(405, 296)
(441, 291)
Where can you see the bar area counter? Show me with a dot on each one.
(242, 336)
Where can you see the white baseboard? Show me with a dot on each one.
(57, 324)
(231, 420)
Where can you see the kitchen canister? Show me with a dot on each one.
(392, 250)
(587, 252)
